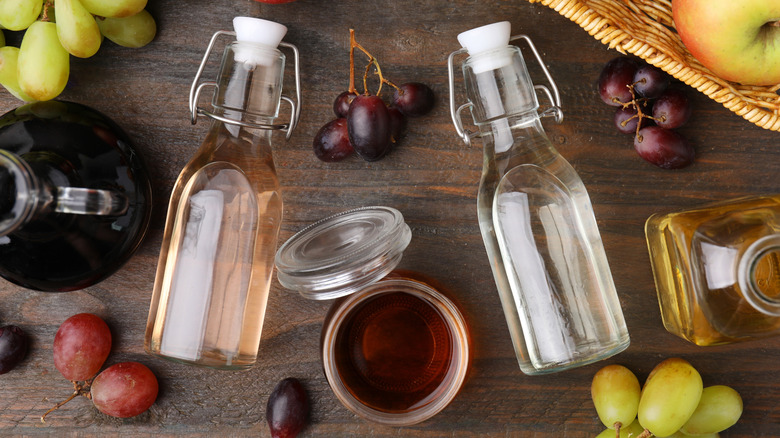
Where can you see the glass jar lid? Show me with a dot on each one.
(343, 253)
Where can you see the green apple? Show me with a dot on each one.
(738, 40)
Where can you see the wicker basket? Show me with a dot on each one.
(644, 28)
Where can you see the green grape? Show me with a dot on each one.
(9, 72)
(19, 14)
(134, 31)
(680, 434)
(615, 393)
(76, 27)
(632, 431)
(44, 65)
(114, 8)
(2, 38)
(719, 408)
(669, 397)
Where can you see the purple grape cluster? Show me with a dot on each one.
(366, 125)
(649, 109)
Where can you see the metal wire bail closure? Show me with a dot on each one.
(553, 96)
(198, 85)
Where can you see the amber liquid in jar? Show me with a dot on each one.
(393, 352)
(696, 257)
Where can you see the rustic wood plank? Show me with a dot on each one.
(432, 178)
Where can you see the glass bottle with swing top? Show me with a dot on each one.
(535, 215)
(217, 256)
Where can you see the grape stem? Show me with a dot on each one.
(45, 13)
(79, 388)
(637, 104)
(353, 44)
(645, 434)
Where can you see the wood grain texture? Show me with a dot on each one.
(432, 177)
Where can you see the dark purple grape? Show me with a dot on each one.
(331, 143)
(368, 123)
(414, 99)
(13, 347)
(397, 123)
(650, 81)
(614, 81)
(672, 109)
(663, 147)
(342, 102)
(287, 409)
(626, 120)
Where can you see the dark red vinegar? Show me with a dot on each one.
(393, 351)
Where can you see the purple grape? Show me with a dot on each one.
(369, 126)
(342, 102)
(672, 109)
(397, 123)
(414, 99)
(287, 409)
(663, 147)
(650, 81)
(626, 120)
(13, 347)
(331, 143)
(614, 81)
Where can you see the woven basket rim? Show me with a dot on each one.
(644, 28)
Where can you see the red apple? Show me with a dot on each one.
(738, 40)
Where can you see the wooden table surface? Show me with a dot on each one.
(432, 178)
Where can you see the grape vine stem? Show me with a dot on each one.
(78, 389)
(45, 14)
(353, 44)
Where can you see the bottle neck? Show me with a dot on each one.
(27, 192)
(759, 274)
(23, 194)
(249, 85)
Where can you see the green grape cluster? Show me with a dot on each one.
(54, 30)
(672, 403)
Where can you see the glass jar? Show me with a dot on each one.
(394, 347)
(717, 270)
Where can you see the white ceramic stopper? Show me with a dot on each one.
(256, 30)
(486, 38)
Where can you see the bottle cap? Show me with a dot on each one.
(258, 31)
(483, 39)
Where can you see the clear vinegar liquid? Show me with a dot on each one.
(216, 261)
(547, 256)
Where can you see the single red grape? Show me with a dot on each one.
(81, 346)
(663, 147)
(13, 347)
(124, 390)
(650, 81)
(287, 409)
(414, 99)
(672, 109)
(614, 80)
(342, 102)
(368, 123)
(332, 141)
